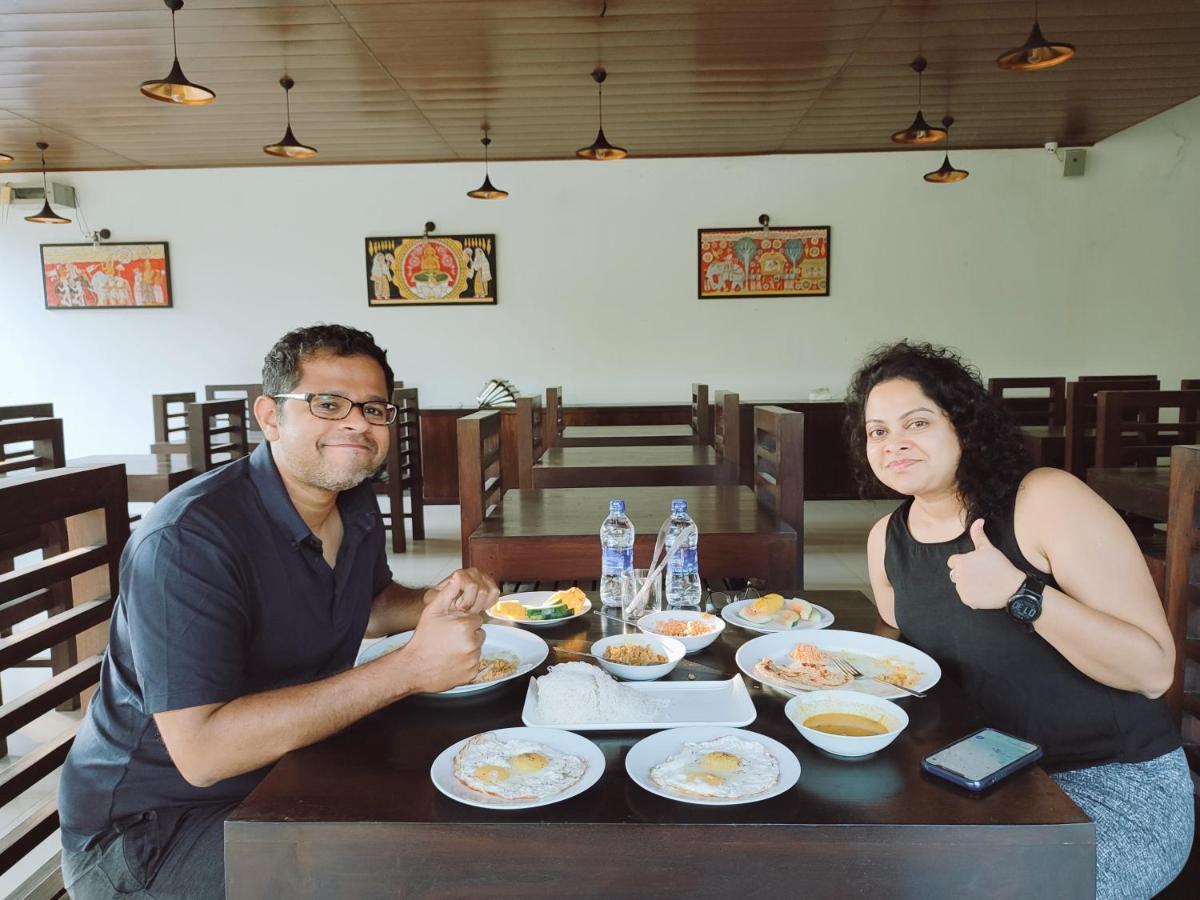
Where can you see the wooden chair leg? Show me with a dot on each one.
(399, 545)
(417, 504)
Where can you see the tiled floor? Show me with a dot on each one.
(834, 557)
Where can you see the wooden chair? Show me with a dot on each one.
(1049, 409)
(779, 471)
(247, 392)
(1189, 384)
(1118, 378)
(208, 422)
(404, 470)
(702, 424)
(480, 482)
(1080, 447)
(31, 444)
(727, 434)
(83, 579)
(1130, 430)
(1183, 594)
(530, 438)
(27, 411)
(553, 419)
(171, 422)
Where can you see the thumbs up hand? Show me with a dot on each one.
(984, 578)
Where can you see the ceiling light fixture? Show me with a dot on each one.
(600, 148)
(5, 158)
(486, 191)
(176, 88)
(288, 146)
(47, 216)
(920, 131)
(947, 174)
(1037, 52)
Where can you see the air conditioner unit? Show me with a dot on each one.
(60, 195)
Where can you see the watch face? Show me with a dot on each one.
(1024, 608)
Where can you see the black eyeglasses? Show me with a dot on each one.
(335, 406)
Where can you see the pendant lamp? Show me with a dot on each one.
(600, 148)
(946, 173)
(47, 216)
(487, 191)
(1037, 52)
(176, 88)
(5, 158)
(288, 146)
(920, 131)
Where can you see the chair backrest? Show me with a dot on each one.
(27, 411)
(77, 585)
(404, 468)
(480, 482)
(1047, 407)
(1189, 384)
(1130, 430)
(1182, 594)
(727, 434)
(1118, 378)
(171, 421)
(31, 444)
(530, 438)
(246, 392)
(702, 425)
(553, 417)
(779, 471)
(1080, 449)
(216, 428)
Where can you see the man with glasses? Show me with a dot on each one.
(244, 596)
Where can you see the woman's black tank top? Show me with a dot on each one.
(1023, 685)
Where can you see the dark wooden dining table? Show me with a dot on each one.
(150, 476)
(358, 816)
(563, 467)
(553, 534)
(627, 435)
(1138, 490)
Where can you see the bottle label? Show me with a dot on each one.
(684, 561)
(616, 561)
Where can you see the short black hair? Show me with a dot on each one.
(281, 367)
(994, 458)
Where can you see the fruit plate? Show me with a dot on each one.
(730, 613)
(536, 598)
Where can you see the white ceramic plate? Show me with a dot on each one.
(442, 770)
(865, 651)
(536, 598)
(729, 612)
(530, 650)
(653, 749)
(689, 703)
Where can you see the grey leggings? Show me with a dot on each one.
(1144, 817)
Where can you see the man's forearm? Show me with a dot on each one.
(396, 608)
(254, 731)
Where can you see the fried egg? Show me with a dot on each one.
(724, 768)
(516, 770)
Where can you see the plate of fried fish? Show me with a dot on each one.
(507, 653)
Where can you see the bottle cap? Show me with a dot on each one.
(678, 506)
(616, 506)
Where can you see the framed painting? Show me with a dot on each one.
(106, 276)
(431, 270)
(759, 262)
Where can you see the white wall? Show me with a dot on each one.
(1025, 271)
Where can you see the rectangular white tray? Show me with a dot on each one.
(691, 703)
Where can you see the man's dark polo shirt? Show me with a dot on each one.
(224, 593)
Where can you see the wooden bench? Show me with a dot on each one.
(83, 576)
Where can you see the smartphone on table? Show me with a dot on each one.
(981, 759)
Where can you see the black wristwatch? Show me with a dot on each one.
(1026, 604)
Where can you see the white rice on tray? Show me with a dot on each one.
(579, 693)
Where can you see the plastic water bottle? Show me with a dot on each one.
(683, 566)
(616, 549)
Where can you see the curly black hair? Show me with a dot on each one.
(994, 459)
(281, 367)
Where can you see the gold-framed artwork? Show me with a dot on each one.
(431, 270)
(743, 263)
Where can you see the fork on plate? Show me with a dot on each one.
(850, 669)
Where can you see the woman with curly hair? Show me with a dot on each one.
(1031, 592)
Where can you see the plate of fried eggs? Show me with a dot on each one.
(517, 768)
(712, 765)
(507, 653)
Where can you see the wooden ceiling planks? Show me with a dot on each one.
(413, 80)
